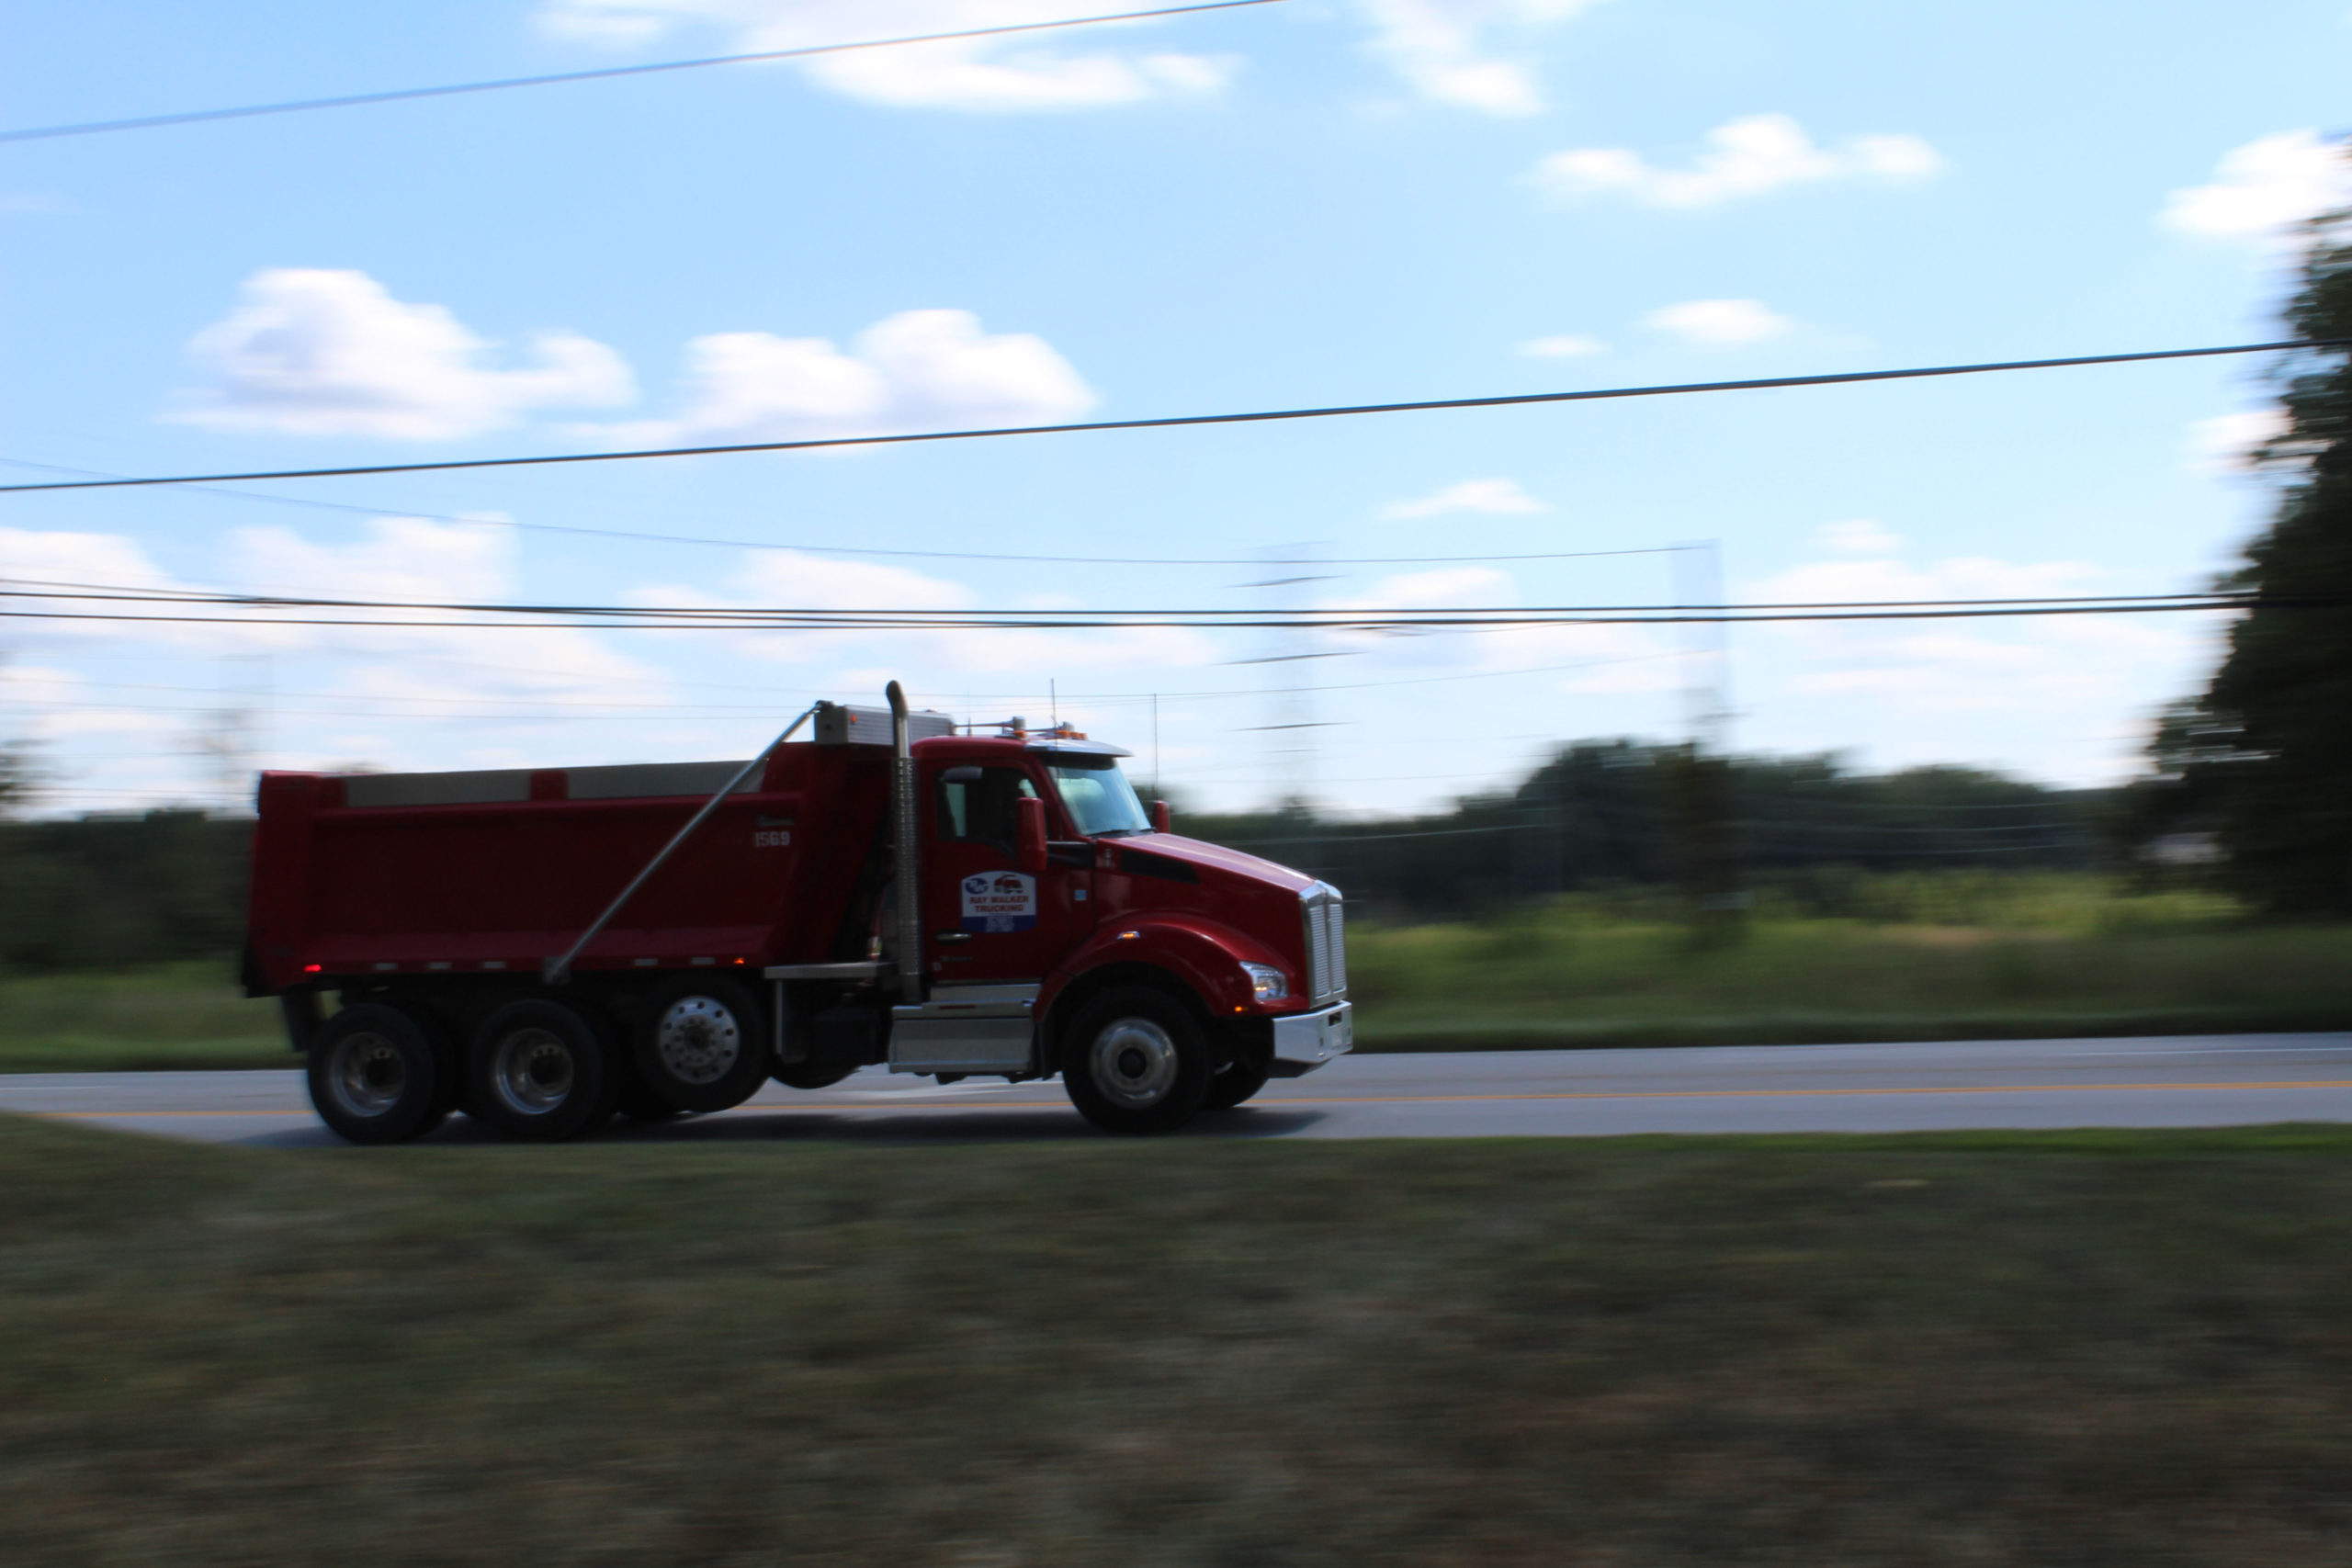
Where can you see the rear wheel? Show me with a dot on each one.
(374, 1075)
(1238, 1083)
(700, 1047)
(1136, 1060)
(542, 1070)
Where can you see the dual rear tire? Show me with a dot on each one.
(381, 1074)
(542, 1069)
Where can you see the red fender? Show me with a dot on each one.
(1205, 954)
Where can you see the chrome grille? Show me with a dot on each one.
(1327, 948)
(1338, 973)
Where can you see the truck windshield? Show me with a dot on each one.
(1098, 796)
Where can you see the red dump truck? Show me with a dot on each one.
(546, 948)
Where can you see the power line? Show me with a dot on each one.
(1170, 422)
(48, 588)
(647, 537)
(626, 617)
(398, 95)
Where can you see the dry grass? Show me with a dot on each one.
(2092, 1349)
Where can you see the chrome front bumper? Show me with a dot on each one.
(1305, 1041)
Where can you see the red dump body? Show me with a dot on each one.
(352, 879)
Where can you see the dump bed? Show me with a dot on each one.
(373, 875)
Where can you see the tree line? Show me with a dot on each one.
(1615, 814)
(2260, 762)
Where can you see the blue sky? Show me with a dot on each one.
(1305, 202)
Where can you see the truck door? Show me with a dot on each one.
(985, 919)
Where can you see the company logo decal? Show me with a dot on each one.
(999, 901)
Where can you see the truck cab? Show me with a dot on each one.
(1066, 929)
(546, 948)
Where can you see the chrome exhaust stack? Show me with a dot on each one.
(905, 868)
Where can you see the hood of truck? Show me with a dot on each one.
(1202, 856)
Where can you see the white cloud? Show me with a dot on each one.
(1017, 73)
(1861, 536)
(30, 556)
(2226, 444)
(1620, 658)
(1744, 157)
(1442, 49)
(918, 370)
(1567, 345)
(2047, 687)
(2269, 184)
(1469, 54)
(400, 558)
(1447, 587)
(320, 352)
(1720, 323)
(788, 577)
(1501, 496)
(936, 661)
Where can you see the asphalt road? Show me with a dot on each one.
(2182, 1082)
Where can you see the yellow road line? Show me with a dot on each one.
(975, 1104)
(1619, 1094)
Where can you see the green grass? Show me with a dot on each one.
(2090, 1349)
(176, 1015)
(1945, 958)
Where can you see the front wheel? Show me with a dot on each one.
(1136, 1060)
(1238, 1083)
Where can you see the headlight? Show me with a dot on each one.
(1266, 982)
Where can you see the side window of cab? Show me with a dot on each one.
(975, 805)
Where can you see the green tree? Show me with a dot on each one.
(2264, 757)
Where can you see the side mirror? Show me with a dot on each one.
(1029, 835)
(1160, 818)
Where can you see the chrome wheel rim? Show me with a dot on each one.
(532, 1071)
(366, 1075)
(1134, 1062)
(698, 1040)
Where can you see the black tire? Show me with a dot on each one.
(448, 1058)
(1237, 1083)
(542, 1070)
(700, 1045)
(1136, 1060)
(636, 1101)
(374, 1075)
(812, 1075)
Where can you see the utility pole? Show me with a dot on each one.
(1704, 803)
(1292, 754)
